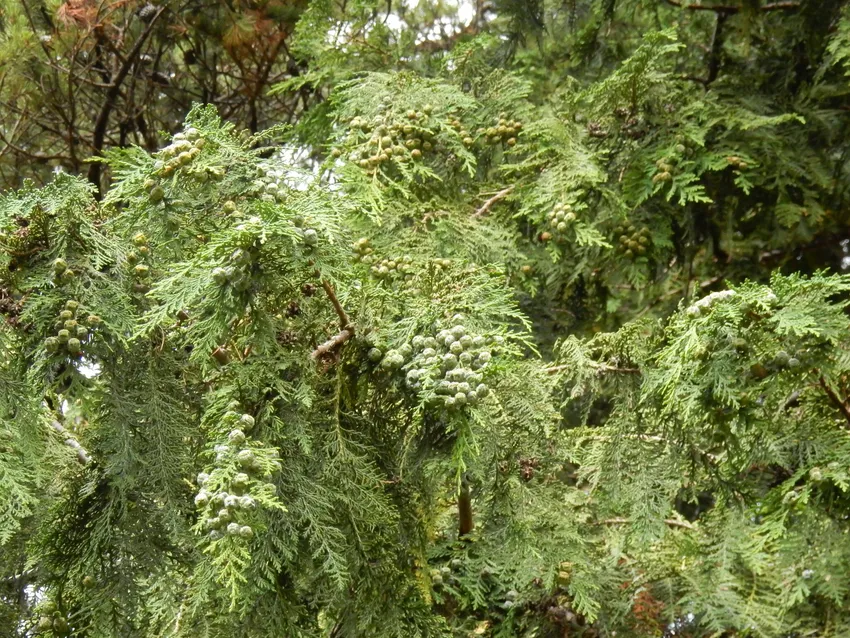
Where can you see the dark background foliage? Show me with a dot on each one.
(255, 213)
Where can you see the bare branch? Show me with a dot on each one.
(19, 579)
(716, 46)
(344, 322)
(473, 28)
(672, 522)
(486, 206)
(601, 368)
(82, 455)
(112, 95)
(333, 343)
(841, 405)
(673, 293)
(464, 509)
(729, 10)
(346, 327)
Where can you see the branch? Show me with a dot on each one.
(729, 10)
(781, 6)
(446, 43)
(716, 46)
(464, 510)
(841, 405)
(33, 155)
(344, 323)
(600, 368)
(673, 293)
(112, 95)
(486, 206)
(692, 78)
(82, 456)
(18, 579)
(672, 522)
(221, 354)
(333, 343)
(650, 438)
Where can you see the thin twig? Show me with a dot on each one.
(729, 10)
(673, 293)
(600, 368)
(82, 455)
(17, 579)
(340, 311)
(841, 405)
(486, 206)
(672, 522)
(446, 43)
(649, 438)
(112, 95)
(333, 343)
(716, 48)
(345, 325)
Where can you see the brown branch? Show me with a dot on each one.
(464, 510)
(730, 10)
(673, 293)
(82, 455)
(672, 522)
(111, 96)
(600, 368)
(346, 327)
(486, 206)
(333, 343)
(25, 253)
(692, 78)
(33, 155)
(716, 46)
(781, 6)
(841, 405)
(824, 240)
(449, 40)
(649, 438)
(221, 354)
(12, 134)
(344, 322)
(19, 579)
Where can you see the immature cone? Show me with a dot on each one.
(308, 290)
(221, 355)
(74, 346)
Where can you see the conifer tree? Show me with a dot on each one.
(81, 76)
(532, 324)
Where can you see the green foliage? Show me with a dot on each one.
(732, 410)
(517, 323)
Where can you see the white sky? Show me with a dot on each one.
(465, 13)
